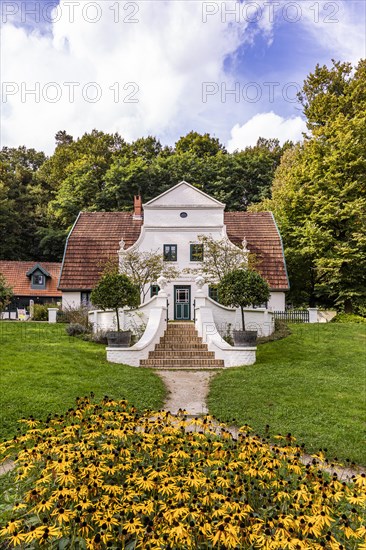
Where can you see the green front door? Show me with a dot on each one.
(182, 303)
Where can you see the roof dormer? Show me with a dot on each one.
(38, 276)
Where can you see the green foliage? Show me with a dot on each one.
(199, 145)
(242, 288)
(319, 192)
(6, 293)
(40, 311)
(114, 291)
(348, 318)
(21, 210)
(282, 330)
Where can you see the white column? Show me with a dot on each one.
(200, 296)
(52, 314)
(313, 314)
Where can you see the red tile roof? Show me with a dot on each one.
(93, 240)
(15, 274)
(263, 239)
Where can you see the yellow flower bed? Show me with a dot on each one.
(106, 476)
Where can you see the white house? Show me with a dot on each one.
(172, 223)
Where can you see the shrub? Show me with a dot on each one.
(348, 318)
(70, 314)
(100, 337)
(360, 309)
(281, 330)
(107, 476)
(227, 336)
(75, 329)
(40, 311)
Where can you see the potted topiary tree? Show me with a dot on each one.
(243, 288)
(114, 291)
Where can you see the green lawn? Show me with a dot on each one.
(42, 370)
(311, 384)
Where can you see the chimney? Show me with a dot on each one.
(137, 207)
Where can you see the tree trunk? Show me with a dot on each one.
(348, 307)
(117, 316)
(242, 317)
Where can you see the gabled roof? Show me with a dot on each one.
(187, 194)
(37, 267)
(93, 240)
(264, 240)
(15, 274)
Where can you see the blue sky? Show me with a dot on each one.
(166, 67)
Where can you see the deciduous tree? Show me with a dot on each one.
(6, 293)
(144, 268)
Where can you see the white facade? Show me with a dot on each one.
(71, 299)
(178, 217)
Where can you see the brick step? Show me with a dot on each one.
(182, 363)
(187, 353)
(179, 347)
(187, 337)
(183, 368)
(182, 328)
(181, 341)
(191, 334)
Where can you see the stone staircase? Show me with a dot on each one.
(181, 348)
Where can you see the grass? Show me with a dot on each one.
(311, 384)
(43, 370)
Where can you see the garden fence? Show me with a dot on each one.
(293, 316)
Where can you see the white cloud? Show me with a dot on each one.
(161, 60)
(155, 65)
(338, 27)
(267, 125)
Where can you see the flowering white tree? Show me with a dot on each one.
(220, 257)
(144, 268)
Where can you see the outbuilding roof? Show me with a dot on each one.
(17, 275)
(264, 240)
(95, 238)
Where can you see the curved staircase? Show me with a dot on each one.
(181, 348)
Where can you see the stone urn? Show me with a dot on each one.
(245, 338)
(119, 339)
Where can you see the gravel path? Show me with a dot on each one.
(187, 390)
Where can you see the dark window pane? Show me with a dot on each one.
(170, 252)
(196, 252)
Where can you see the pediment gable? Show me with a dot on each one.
(184, 195)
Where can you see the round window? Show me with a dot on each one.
(183, 214)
